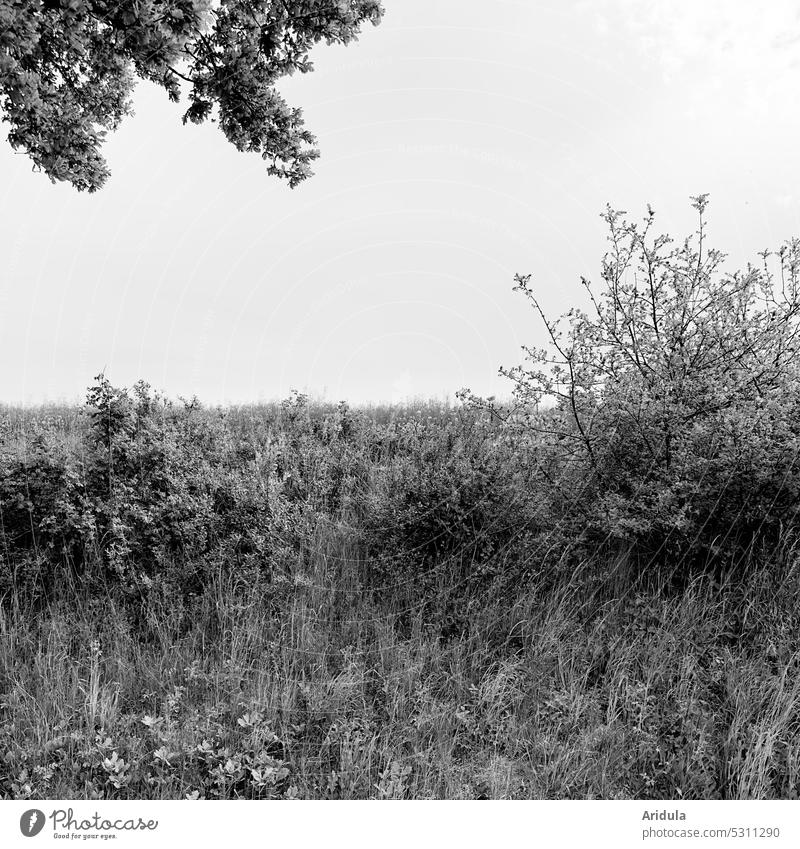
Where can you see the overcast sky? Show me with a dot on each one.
(462, 141)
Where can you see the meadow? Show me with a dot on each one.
(591, 590)
(299, 601)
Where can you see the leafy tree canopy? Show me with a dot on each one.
(67, 68)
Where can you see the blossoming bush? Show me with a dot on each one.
(673, 425)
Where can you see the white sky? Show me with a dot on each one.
(462, 142)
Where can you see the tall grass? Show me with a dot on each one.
(396, 624)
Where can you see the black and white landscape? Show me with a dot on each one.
(272, 523)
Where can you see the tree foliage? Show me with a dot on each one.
(67, 68)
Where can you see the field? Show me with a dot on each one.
(310, 601)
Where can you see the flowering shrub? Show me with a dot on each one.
(674, 429)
